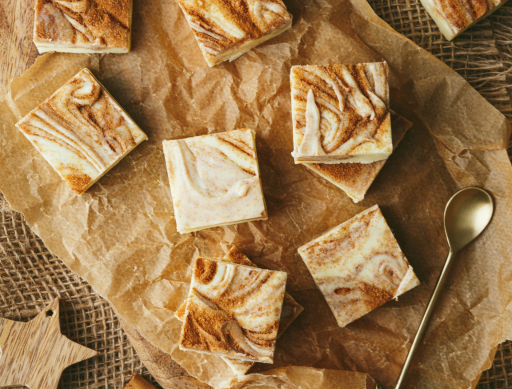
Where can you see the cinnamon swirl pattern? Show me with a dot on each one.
(81, 131)
(233, 311)
(83, 26)
(226, 30)
(340, 113)
(355, 178)
(291, 309)
(358, 266)
(214, 180)
(455, 16)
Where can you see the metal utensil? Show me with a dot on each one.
(466, 215)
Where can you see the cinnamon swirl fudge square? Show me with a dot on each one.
(81, 131)
(226, 30)
(341, 113)
(356, 178)
(233, 311)
(453, 17)
(291, 309)
(83, 26)
(358, 266)
(215, 180)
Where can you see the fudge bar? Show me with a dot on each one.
(226, 30)
(355, 178)
(453, 17)
(340, 113)
(81, 131)
(215, 180)
(233, 311)
(291, 309)
(358, 266)
(84, 26)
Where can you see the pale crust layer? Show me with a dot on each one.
(356, 178)
(227, 29)
(340, 113)
(215, 180)
(358, 266)
(233, 311)
(81, 131)
(291, 309)
(83, 26)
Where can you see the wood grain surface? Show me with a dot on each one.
(34, 354)
(17, 52)
(159, 363)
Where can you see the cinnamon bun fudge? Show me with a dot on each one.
(358, 266)
(355, 178)
(226, 30)
(341, 113)
(215, 180)
(83, 26)
(81, 131)
(291, 309)
(454, 17)
(233, 311)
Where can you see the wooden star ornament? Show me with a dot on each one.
(34, 354)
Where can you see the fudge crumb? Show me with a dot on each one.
(375, 296)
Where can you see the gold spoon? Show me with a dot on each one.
(466, 215)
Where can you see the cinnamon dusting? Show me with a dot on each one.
(252, 20)
(204, 270)
(236, 256)
(92, 24)
(83, 119)
(219, 314)
(375, 296)
(345, 97)
(78, 182)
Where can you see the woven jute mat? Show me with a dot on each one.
(30, 276)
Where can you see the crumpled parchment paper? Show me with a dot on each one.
(121, 235)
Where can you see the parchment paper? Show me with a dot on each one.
(121, 235)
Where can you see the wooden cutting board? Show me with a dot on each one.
(17, 54)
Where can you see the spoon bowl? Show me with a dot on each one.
(466, 215)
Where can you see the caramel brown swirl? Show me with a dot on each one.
(358, 266)
(81, 131)
(355, 178)
(454, 16)
(227, 29)
(91, 24)
(340, 110)
(233, 311)
(214, 179)
(291, 309)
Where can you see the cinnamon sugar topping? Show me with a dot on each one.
(340, 113)
(234, 196)
(233, 312)
(81, 131)
(358, 266)
(291, 309)
(455, 16)
(355, 178)
(82, 25)
(225, 29)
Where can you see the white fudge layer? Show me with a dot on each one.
(340, 113)
(358, 266)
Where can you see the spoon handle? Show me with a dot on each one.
(424, 322)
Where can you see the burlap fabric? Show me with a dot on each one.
(30, 275)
